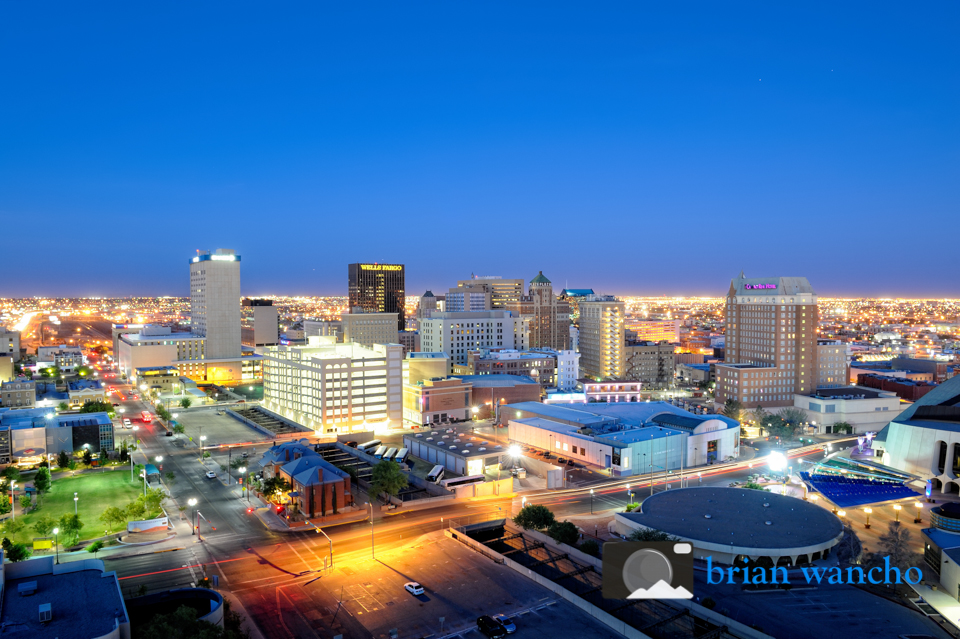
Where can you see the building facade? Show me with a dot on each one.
(654, 330)
(84, 391)
(215, 302)
(370, 328)
(601, 337)
(832, 366)
(266, 322)
(865, 409)
(476, 296)
(549, 316)
(333, 387)
(458, 333)
(378, 288)
(10, 343)
(650, 363)
(66, 358)
(502, 291)
(19, 392)
(538, 365)
(434, 401)
(771, 342)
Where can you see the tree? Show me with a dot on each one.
(564, 532)
(95, 547)
(136, 509)
(63, 406)
(650, 534)
(26, 501)
(98, 406)
(753, 486)
(591, 547)
(178, 429)
(18, 552)
(83, 371)
(387, 477)
(14, 527)
(895, 544)
(112, 515)
(186, 402)
(12, 473)
(163, 413)
(70, 527)
(183, 623)
(275, 486)
(758, 415)
(793, 419)
(44, 525)
(153, 500)
(171, 478)
(842, 427)
(733, 409)
(63, 459)
(87, 456)
(50, 372)
(535, 517)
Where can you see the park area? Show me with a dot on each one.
(95, 491)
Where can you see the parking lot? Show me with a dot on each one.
(218, 429)
(460, 585)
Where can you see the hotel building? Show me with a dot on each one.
(458, 333)
(501, 291)
(549, 317)
(601, 337)
(654, 330)
(378, 288)
(771, 342)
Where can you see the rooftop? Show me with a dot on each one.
(156, 369)
(576, 292)
(771, 286)
(467, 446)
(85, 384)
(848, 392)
(540, 279)
(737, 517)
(497, 381)
(84, 603)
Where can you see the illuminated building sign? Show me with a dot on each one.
(381, 267)
(754, 287)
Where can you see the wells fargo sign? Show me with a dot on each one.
(381, 267)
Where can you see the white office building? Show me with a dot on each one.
(215, 302)
(458, 333)
(333, 387)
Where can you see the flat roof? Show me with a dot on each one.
(139, 337)
(737, 517)
(552, 426)
(498, 380)
(84, 604)
(564, 412)
(150, 369)
(844, 392)
(458, 449)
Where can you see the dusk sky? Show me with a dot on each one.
(635, 148)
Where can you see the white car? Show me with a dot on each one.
(126, 422)
(413, 588)
(210, 474)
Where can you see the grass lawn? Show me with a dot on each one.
(96, 491)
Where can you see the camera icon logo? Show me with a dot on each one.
(647, 570)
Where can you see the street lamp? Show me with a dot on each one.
(896, 509)
(56, 543)
(192, 502)
(475, 410)
(373, 552)
(75, 500)
(242, 470)
(867, 511)
(918, 506)
(591, 501)
(629, 495)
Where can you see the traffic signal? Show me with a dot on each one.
(249, 510)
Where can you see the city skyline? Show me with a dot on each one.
(817, 150)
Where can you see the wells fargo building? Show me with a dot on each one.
(378, 288)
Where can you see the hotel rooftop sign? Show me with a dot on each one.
(759, 287)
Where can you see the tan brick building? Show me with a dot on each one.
(549, 316)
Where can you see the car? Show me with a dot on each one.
(245, 455)
(210, 474)
(489, 626)
(561, 460)
(126, 422)
(570, 462)
(169, 433)
(413, 588)
(506, 622)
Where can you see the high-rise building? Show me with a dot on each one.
(378, 288)
(651, 363)
(428, 304)
(549, 317)
(473, 297)
(458, 333)
(215, 302)
(601, 337)
(654, 330)
(368, 329)
(771, 342)
(501, 291)
(833, 369)
(573, 296)
(266, 322)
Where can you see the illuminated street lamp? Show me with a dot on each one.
(867, 511)
(591, 501)
(475, 410)
(192, 502)
(75, 500)
(918, 506)
(629, 495)
(242, 470)
(896, 509)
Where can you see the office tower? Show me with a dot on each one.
(215, 302)
(650, 363)
(771, 342)
(501, 290)
(601, 337)
(428, 304)
(368, 329)
(378, 288)
(266, 322)
(654, 330)
(549, 317)
(472, 297)
(457, 333)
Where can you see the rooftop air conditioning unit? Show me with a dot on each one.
(27, 588)
(46, 613)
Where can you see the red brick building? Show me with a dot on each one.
(907, 389)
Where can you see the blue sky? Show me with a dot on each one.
(627, 147)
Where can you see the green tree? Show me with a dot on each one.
(42, 481)
(44, 525)
(171, 478)
(753, 486)
(18, 552)
(113, 516)
(13, 527)
(87, 456)
(70, 527)
(842, 427)
(26, 501)
(650, 534)
(98, 406)
(238, 462)
(186, 402)
(136, 509)
(63, 459)
(535, 517)
(50, 372)
(386, 477)
(163, 413)
(591, 547)
(564, 532)
(153, 500)
(63, 406)
(275, 486)
(178, 429)
(793, 420)
(733, 409)
(83, 371)
(758, 415)
(12, 473)
(95, 547)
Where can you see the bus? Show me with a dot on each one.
(379, 452)
(436, 474)
(453, 482)
(389, 454)
(369, 446)
(146, 417)
(402, 455)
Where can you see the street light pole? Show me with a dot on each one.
(373, 552)
(192, 502)
(56, 543)
(591, 501)
(13, 499)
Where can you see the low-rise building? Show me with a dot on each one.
(318, 488)
(865, 409)
(83, 391)
(650, 363)
(492, 392)
(437, 400)
(908, 389)
(368, 329)
(695, 373)
(613, 390)
(19, 392)
(458, 455)
(66, 358)
(10, 343)
(538, 365)
(38, 434)
(163, 379)
(410, 340)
